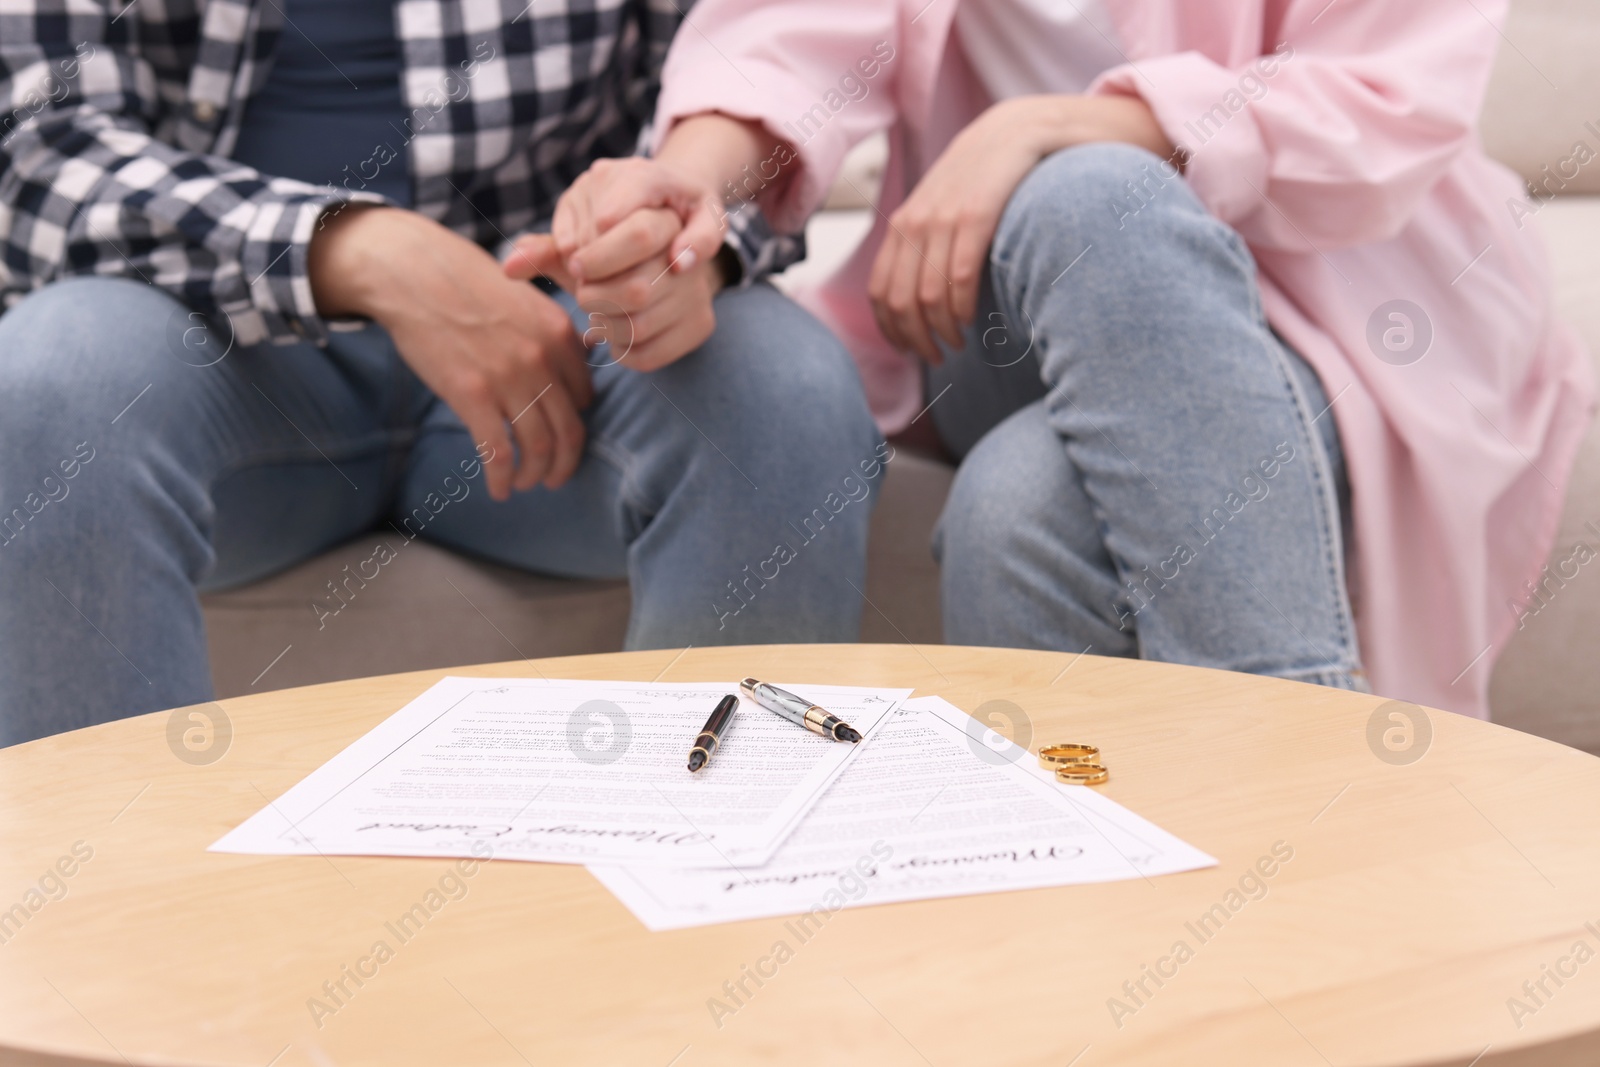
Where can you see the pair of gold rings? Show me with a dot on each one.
(1074, 764)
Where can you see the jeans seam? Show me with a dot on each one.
(1322, 473)
(1321, 466)
(383, 442)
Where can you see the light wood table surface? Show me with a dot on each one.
(1419, 899)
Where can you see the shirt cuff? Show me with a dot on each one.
(761, 252)
(274, 301)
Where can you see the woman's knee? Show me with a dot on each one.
(1096, 187)
(1111, 209)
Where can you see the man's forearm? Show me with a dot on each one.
(340, 279)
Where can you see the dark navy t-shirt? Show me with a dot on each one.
(331, 111)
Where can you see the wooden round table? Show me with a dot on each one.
(1433, 884)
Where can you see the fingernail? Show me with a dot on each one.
(687, 261)
(575, 269)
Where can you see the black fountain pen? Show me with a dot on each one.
(711, 733)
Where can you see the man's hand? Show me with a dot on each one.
(652, 307)
(502, 354)
(924, 283)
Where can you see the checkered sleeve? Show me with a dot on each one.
(761, 252)
(86, 188)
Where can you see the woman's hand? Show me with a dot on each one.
(925, 281)
(652, 307)
(635, 240)
(603, 218)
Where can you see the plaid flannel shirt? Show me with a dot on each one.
(118, 119)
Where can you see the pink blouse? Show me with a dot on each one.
(1339, 140)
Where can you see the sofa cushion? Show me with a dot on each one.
(902, 578)
(429, 607)
(1545, 92)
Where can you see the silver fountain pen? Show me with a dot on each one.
(799, 711)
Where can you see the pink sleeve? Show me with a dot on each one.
(819, 74)
(1334, 137)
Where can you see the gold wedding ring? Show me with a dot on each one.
(1064, 755)
(1082, 774)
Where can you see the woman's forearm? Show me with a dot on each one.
(1058, 121)
(742, 160)
(738, 158)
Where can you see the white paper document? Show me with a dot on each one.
(935, 806)
(566, 772)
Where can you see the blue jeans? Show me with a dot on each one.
(1147, 470)
(130, 478)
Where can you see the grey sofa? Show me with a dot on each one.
(430, 608)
